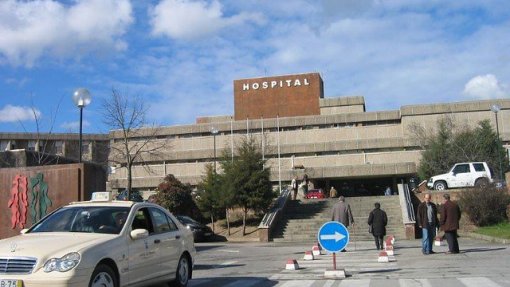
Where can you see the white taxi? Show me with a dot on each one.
(100, 243)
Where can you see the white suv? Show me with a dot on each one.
(462, 175)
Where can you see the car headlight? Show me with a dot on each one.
(63, 264)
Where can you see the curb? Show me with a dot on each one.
(486, 238)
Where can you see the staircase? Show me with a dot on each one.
(303, 218)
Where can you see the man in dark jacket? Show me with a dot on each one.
(427, 220)
(378, 220)
(450, 217)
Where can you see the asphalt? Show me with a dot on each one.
(263, 264)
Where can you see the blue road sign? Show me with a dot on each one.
(333, 236)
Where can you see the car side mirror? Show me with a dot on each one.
(23, 231)
(139, 234)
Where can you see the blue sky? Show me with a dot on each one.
(182, 56)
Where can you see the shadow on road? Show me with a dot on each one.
(207, 247)
(482, 249)
(215, 266)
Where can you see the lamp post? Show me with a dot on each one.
(495, 108)
(81, 99)
(214, 132)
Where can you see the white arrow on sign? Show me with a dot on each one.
(337, 236)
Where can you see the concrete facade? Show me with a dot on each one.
(342, 143)
(64, 145)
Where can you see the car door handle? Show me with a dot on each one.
(177, 237)
(157, 241)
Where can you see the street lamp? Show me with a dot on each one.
(214, 132)
(495, 108)
(81, 99)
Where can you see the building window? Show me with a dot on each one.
(31, 145)
(85, 147)
(4, 145)
(59, 147)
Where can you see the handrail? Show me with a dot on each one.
(268, 219)
(408, 215)
(409, 202)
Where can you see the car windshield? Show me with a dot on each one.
(186, 220)
(88, 219)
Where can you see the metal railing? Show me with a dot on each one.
(268, 219)
(409, 203)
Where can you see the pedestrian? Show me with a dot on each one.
(450, 217)
(332, 192)
(294, 186)
(377, 221)
(387, 191)
(304, 184)
(428, 222)
(342, 213)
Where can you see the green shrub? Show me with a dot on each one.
(485, 205)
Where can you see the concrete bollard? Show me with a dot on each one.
(316, 250)
(383, 257)
(292, 264)
(308, 255)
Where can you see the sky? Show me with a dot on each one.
(182, 56)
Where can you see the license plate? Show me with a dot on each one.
(11, 283)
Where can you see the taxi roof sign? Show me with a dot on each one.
(101, 196)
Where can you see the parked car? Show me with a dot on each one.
(466, 174)
(315, 193)
(201, 232)
(101, 242)
(134, 195)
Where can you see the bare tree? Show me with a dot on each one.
(133, 140)
(43, 151)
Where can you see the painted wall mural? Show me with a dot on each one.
(40, 200)
(18, 202)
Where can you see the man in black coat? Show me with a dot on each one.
(378, 221)
(428, 222)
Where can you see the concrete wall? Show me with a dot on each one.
(64, 185)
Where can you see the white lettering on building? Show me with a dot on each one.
(275, 84)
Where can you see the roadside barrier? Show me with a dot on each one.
(292, 264)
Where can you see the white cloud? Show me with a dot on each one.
(11, 113)
(31, 29)
(486, 87)
(74, 126)
(190, 20)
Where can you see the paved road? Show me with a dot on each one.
(263, 264)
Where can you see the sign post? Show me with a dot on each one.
(333, 236)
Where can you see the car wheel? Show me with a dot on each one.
(182, 274)
(440, 185)
(103, 276)
(481, 182)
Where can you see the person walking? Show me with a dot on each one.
(450, 217)
(428, 222)
(294, 185)
(377, 221)
(342, 213)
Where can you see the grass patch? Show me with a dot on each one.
(500, 230)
